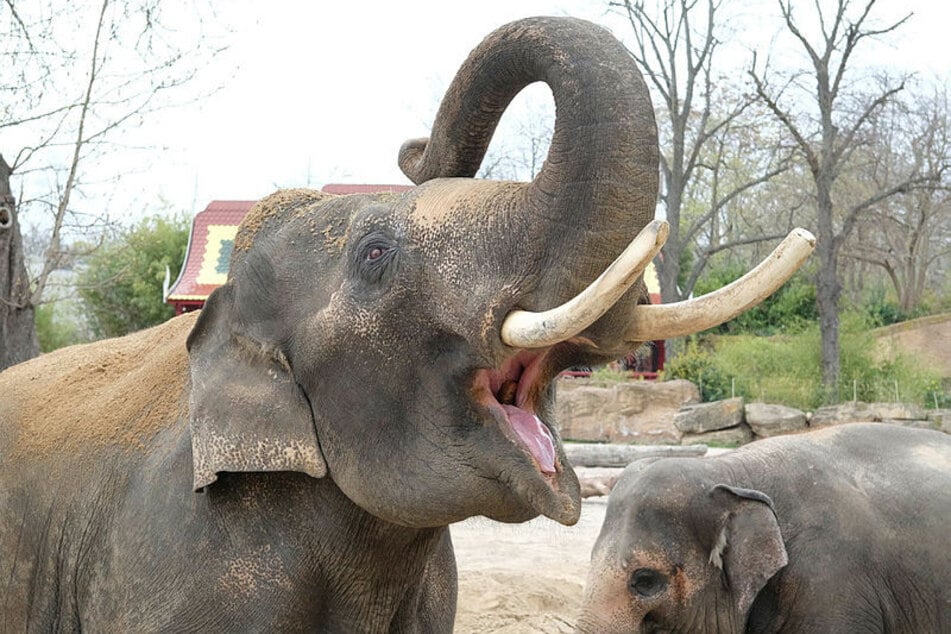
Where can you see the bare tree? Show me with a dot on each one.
(17, 333)
(520, 145)
(828, 142)
(906, 235)
(721, 211)
(81, 74)
(677, 58)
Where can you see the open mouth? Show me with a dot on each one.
(511, 393)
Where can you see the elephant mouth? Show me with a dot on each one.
(511, 394)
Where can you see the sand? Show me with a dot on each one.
(524, 577)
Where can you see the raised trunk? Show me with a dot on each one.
(598, 186)
(18, 340)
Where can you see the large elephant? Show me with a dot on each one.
(841, 531)
(376, 368)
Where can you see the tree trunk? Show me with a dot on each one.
(828, 290)
(595, 455)
(18, 340)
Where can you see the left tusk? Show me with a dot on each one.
(666, 321)
(524, 329)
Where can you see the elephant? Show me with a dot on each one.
(840, 530)
(375, 368)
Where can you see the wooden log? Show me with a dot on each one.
(608, 455)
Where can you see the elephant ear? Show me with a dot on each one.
(749, 548)
(246, 412)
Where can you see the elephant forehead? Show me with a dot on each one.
(276, 208)
(463, 202)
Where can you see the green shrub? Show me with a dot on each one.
(56, 329)
(699, 366)
(121, 284)
(606, 374)
(791, 309)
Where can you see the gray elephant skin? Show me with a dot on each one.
(290, 459)
(842, 530)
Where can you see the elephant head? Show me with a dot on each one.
(401, 344)
(680, 552)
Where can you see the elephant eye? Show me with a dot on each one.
(646, 582)
(373, 257)
(375, 253)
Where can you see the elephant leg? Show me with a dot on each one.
(433, 607)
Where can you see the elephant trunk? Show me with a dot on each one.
(598, 186)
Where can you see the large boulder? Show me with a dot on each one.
(706, 417)
(766, 419)
(626, 412)
(731, 437)
(940, 419)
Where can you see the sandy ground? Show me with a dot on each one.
(523, 577)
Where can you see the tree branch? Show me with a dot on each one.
(54, 252)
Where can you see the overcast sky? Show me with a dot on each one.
(321, 92)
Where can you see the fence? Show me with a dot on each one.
(807, 393)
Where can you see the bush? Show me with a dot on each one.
(699, 366)
(791, 309)
(55, 328)
(121, 284)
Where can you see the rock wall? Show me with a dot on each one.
(639, 412)
(670, 413)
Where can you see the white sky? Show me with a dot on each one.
(327, 91)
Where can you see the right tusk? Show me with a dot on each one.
(524, 329)
(666, 321)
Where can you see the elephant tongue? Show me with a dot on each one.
(534, 436)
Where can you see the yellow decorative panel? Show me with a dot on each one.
(214, 264)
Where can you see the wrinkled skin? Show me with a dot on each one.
(341, 399)
(843, 530)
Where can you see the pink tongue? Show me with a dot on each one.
(534, 435)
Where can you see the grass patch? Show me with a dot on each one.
(786, 369)
(608, 375)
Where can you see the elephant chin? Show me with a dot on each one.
(512, 397)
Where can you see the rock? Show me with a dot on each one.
(732, 437)
(594, 486)
(858, 412)
(705, 417)
(940, 419)
(772, 420)
(628, 412)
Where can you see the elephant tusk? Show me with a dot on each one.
(665, 321)
(524, 329)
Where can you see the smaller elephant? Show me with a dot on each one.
(840, 530)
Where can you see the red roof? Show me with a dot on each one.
(209, 250)
(212, 238)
